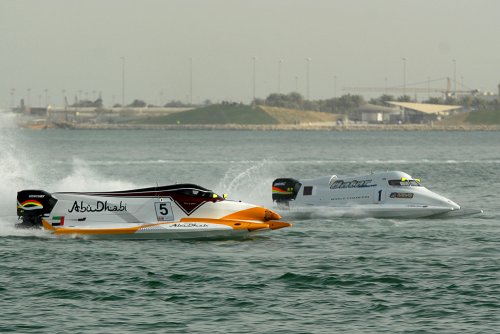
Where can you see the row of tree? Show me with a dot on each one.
(294, 100)
(338, 105)
(347, 103)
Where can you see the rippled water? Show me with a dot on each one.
(323, 275)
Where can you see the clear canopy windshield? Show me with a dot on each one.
(404, 182)
(197, 193)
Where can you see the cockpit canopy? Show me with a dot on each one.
(196, 192)
(405, 182)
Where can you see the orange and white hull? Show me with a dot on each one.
(189, 228)
(170, 212)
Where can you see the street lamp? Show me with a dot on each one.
(404, 76)
(428, 87)
(334, 86)
(254, 59)
(455, 78)
(190, 80)
(12, 98)
(123, 81)
(279, 75)
(308, 62)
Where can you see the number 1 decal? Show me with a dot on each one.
(164, 211)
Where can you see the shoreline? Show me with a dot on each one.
(285, 127)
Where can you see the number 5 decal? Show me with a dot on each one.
(164, 211)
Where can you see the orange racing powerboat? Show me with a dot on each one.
(174, 212)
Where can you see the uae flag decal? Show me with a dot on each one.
(58, 221)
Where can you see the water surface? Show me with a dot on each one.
(325, 274)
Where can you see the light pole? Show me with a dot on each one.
(455, 78)
(428, 88)
(279, 75)
(12, 98)
(123, 81)
(254, 59)
(190, 80)
(308, 87)
(334, 86)
(404, 76)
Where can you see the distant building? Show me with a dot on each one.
(372, 113)
(423, 112)
(33, 111)
(488, 96)
(38, 111)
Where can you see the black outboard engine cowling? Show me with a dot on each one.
(32, 205)
(285, 190)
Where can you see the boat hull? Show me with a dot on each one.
(391, 194)
(180, 211)
(188, 229)
(375, 211)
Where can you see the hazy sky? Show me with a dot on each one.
(77, 46)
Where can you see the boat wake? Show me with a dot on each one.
(7, 229)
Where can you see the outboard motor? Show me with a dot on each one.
(285, 190)
(32, 205)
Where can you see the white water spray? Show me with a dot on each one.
(18, 172)
(84, 178)
(252, 185)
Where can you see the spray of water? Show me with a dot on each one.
(252, 184)
(84, 178)
(17, 172)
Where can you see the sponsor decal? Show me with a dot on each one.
(182, 225)
(401, 195)
(189, 207)
(341, 184)
(30, 204)
(282, 191)
(100, 206)
(36, 196)
(349, 198)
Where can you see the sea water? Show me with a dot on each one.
(325, 274)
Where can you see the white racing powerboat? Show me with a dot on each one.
(381, 194)
(177, 211)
